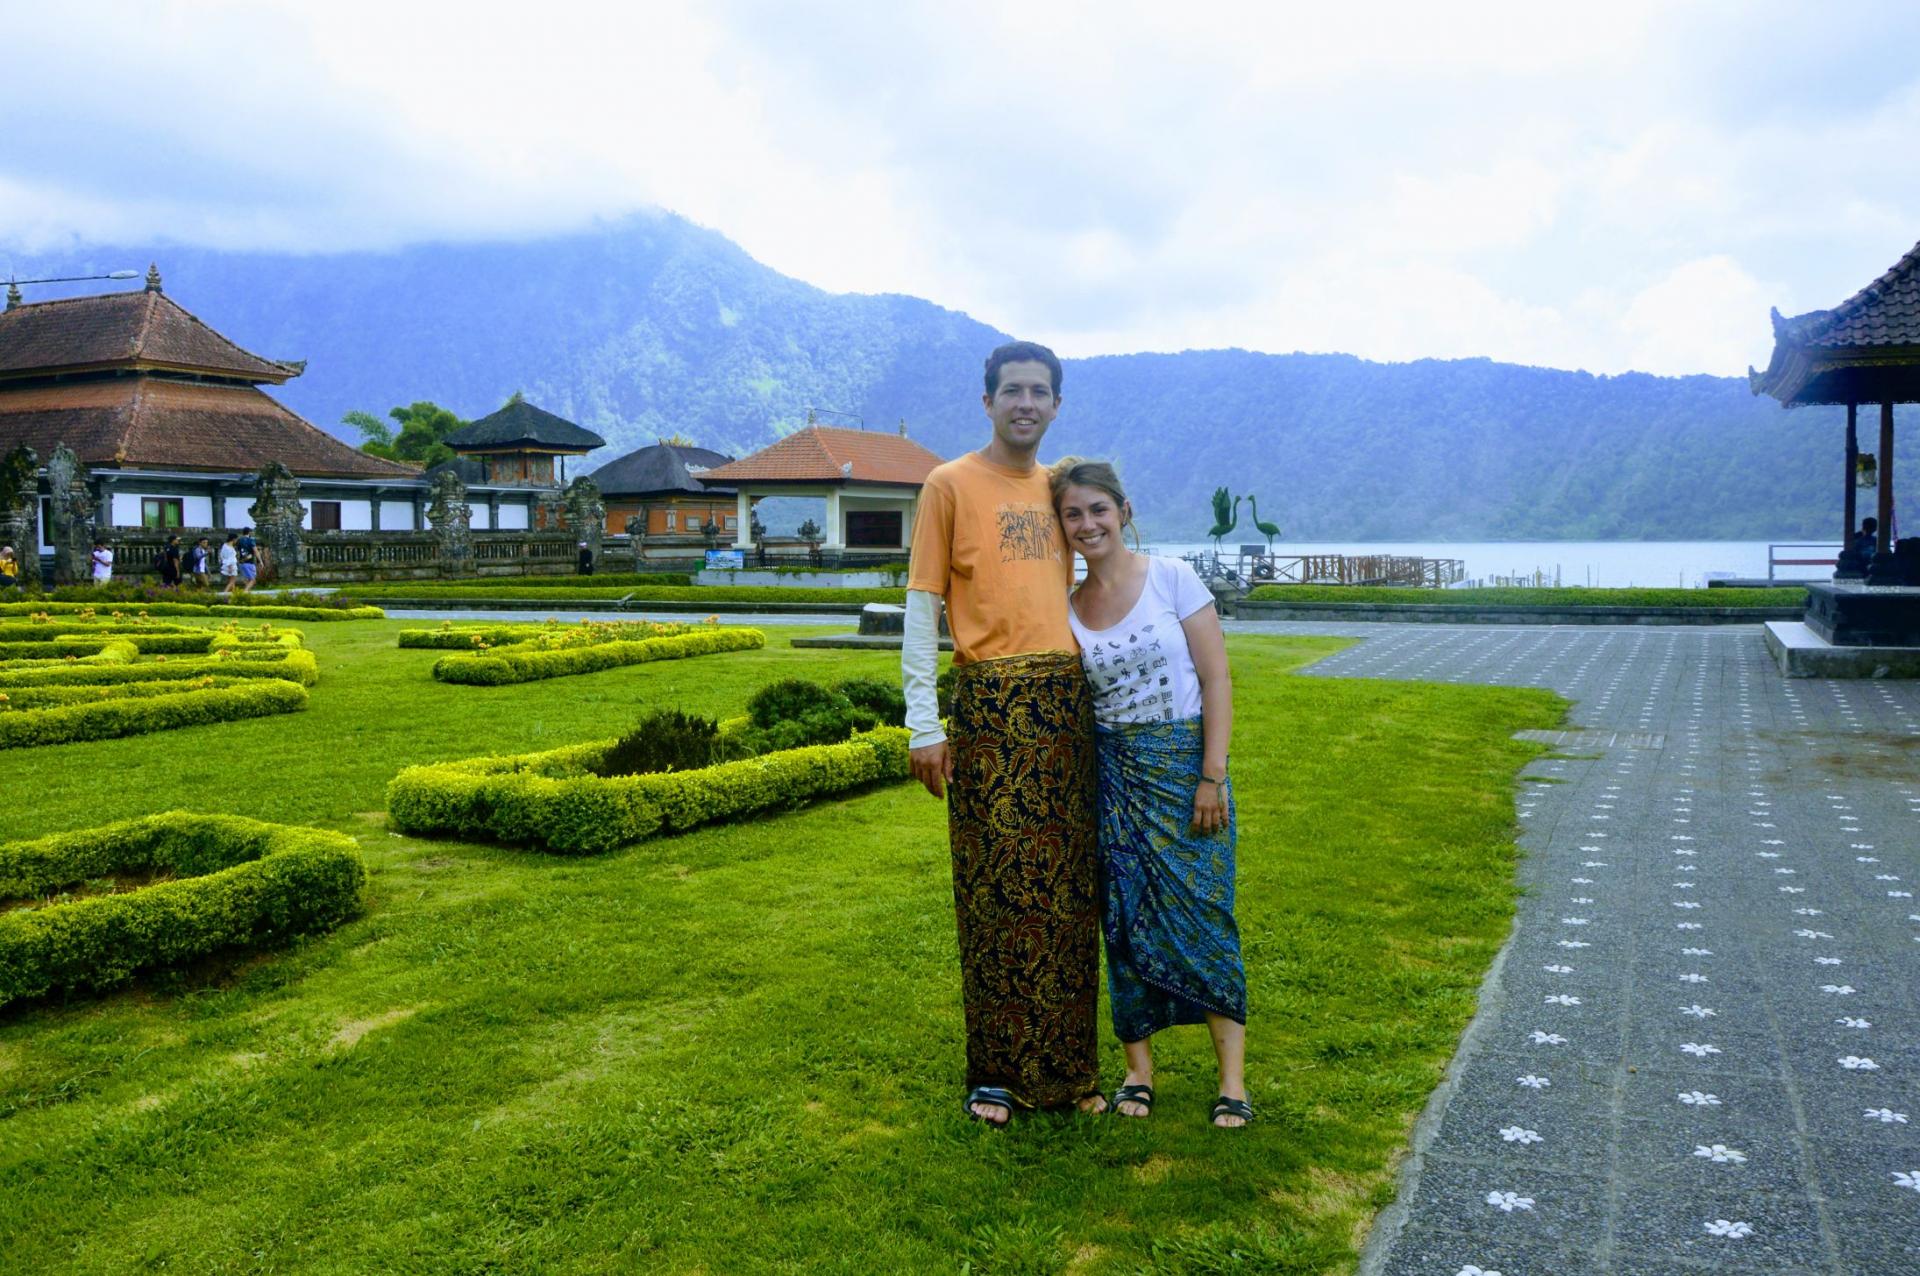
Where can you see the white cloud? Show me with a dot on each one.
(1628, 186)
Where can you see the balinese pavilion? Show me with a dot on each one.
(869, 479)
(523, 445)
(654, 495)
(1864, 351)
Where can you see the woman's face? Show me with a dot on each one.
(1092, 520)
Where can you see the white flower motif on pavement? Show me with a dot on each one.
(1697, 1050)
(1720, 1154)
(1899, 894)
(1686, 903)
(1574, 921)
(1688, 926)
(1471, 1270)
(1827, 961)
(1532, 1082)
(1580, 899)
(1886, 877)
(1699, 1099)
(1813, 934)
(1793, 890)
(1508, 1202)
(1733, 1231)
(1767, 855)
(1807, 912)
(1909, 1179)
(1581, 881)
(1693, 977)
(1514, 1134)
(1772, 841)
(1787, 872)
(1561, 999)
(1698, 1012)
(1696, 952)
(1573, 943)
(1682, 851)
(1854, 1063)
(1684, 886)
(1839, 990)
(1848, 1021)
(1558, 970)
(1592, 863)
(1540, 1038)
(1886, 1116)
(1680, 837)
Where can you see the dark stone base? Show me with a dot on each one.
(1851, 615)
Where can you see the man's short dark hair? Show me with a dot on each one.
(1022, 352)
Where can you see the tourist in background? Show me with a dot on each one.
(1020, 763)
(244, 549)
(583, 566)
(102, 563)
(1153, 651)
(170, 563)
(9, 568)
(197, 561)
(230, 564)
(1866, 541)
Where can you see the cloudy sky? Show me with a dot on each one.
(1605, 187)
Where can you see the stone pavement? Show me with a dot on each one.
(1700, 1050)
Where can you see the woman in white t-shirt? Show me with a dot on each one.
(1152, 647)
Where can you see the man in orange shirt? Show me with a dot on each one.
(1019, 759)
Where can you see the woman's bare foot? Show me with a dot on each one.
(1092, 1104)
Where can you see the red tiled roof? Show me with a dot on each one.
(150, 423)
(123, 330)
(820, 453)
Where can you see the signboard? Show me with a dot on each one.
(726, 559)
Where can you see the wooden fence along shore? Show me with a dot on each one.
(1252, 566)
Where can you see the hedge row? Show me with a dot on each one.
(45, 697)
(624, 580)
(553, 802)
(450, 637)
(259, 611)
(290, 664)
(56, 646)
(691, 598)
(106, 719)
(45, 628)
(1549, 596)
(526, 663)
(240, 882)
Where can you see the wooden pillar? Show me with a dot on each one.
(1850, 503)
(1886, 477)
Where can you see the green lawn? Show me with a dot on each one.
(1567, 596)
(736, 1050)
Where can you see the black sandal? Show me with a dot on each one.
(997, 1096)
(1140, 1094)
(1223, 1106)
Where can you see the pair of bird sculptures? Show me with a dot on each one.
(1226, 517)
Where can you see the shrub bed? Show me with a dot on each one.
(1568, 596)
(554, 801)
(258, 611)
(239, 882)
(451, 637)
(692, 598)
(143, 595)
(290, 664)
(105, 719)
(528, 661)
(45, 697)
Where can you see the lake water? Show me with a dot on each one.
(1610, 564)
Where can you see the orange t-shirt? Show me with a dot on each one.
(986, 539)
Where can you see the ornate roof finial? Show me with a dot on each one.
(13, 294)
(153, 276)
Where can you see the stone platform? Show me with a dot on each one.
(1802, 653)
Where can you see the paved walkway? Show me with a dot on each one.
(1700, 1050)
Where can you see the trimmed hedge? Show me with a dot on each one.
(290, 664)
(451, 637)
(625, 580)
(240, 882)
(45, 697)
(1548, 596)
(106, 719)
(526, 663)
(259, 611)
(691, 598)
(553, 801)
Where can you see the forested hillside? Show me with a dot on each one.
(652, 326)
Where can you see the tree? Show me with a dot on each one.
(420, 440)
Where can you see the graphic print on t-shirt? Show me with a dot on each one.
(1134, 667)
(1027, 532)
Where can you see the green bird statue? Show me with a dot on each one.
(1226, 515)
(1269, 530)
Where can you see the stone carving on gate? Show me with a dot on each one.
(20, 508)
(451, 519)
(277, 515)
(584, 514)
(71, 508)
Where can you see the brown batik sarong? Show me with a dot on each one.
(1021, 817)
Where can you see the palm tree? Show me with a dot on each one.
(1267, 529)
(1226, 515)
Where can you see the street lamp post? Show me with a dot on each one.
(13, 285)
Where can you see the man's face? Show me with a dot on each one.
(1023, 407)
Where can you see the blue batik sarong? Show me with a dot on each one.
(1173, 950)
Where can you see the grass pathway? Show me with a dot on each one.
(736, 1050)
